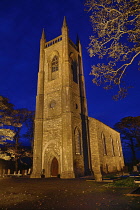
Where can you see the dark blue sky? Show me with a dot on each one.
(21, 23)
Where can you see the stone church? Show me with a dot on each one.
(68, 143)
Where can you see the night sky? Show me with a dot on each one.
(21, 24)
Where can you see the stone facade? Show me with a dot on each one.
(105, 148)
(66, 142)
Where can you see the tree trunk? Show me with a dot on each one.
(16, 149)
(16, 157)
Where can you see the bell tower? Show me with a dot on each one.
(60, 138)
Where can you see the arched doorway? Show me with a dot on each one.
(54, 167)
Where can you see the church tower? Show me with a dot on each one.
(61, 146)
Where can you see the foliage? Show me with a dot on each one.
(5, 105)
(18, 120)
(4, 156)
(12, 120)
(115, 37)
(6, 109)
(129, 127)
(6, 134)
(127, 182)
(11, 123)
(22, 151)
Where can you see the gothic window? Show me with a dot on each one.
(77, 137)
(119, 150)
(74, 70)
(112, 144)
(54, 64)
(104, 144)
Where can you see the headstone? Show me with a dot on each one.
(25, 173)
(8, 171)
(29, 171)
(135, 169)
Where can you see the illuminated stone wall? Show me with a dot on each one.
(105, 147)
(60, 100)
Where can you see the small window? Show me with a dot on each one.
(104, 144)
(52, 104)
(54, 64)
(76, 106)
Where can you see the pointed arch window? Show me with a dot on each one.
(77, 137)
(54, 64)
(74, 66)
(112, 144)
(119, 149)
(104, 144)
(74, 71)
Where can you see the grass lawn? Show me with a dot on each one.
(26, 193)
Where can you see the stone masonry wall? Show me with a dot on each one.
(113, 160)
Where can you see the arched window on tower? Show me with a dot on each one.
(74, 71)
(77, 138)
(104, 144)
(74, 68)
(54, 64)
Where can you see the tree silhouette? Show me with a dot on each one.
(129, 127)
(11, 122)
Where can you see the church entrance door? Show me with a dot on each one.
(54, 167)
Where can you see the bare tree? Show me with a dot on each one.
(116, 38)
